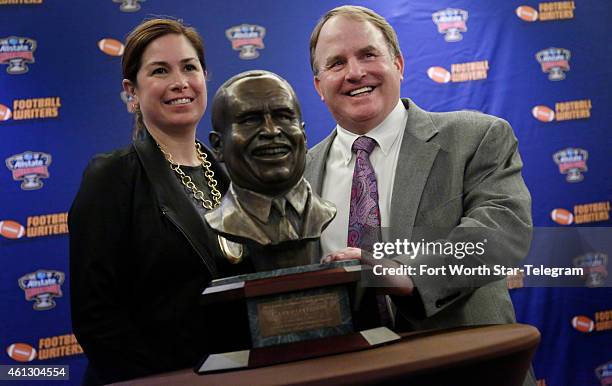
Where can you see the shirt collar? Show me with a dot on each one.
(384, 134)
(259, 205)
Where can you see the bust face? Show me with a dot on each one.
(263, 143)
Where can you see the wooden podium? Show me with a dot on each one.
(497, 355)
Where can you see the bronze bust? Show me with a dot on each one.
(270, 208)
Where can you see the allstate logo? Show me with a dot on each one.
(451, 22)
(594, 266)
(29, 167)
(246, 38)
(42, 286)
(572, 162)
(554, 61)
(17, 52)
(129, 5)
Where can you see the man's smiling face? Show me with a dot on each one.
(357, 77)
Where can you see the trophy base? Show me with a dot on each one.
(290, 352)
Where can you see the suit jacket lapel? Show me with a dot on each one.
(416, 157)
(172, 199)
(315, 161)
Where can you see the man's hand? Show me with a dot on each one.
(348, 253)
(394, 284)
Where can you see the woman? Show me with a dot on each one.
(140, 253)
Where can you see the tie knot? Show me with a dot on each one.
(279, 204)
(364, 143)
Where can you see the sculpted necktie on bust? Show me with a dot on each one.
(364, 213)
(284, 220)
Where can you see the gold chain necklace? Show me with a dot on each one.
(186, 180)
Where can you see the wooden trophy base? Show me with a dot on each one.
(295, 313)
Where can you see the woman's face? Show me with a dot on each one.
(171, 85)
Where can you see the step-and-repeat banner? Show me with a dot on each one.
(546, 67)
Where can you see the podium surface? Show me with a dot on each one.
(489, 355)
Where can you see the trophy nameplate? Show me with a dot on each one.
(299, 316)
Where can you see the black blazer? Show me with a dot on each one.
(140, 255)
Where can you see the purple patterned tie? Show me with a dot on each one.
(364, 214)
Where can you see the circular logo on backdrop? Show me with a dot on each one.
(11, 229)
(526, 13)
(439, 74)
(5, 113)
(21, 352)
(583, 323)
(112, 47)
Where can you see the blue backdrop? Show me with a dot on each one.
(544, 67)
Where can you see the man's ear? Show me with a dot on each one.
(399, 64)
(316, 81)
(216, 141)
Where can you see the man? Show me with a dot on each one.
(459, 171)
(259, 134)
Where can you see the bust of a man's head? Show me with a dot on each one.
(258, 132)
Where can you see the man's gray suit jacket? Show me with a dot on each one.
(458, 171)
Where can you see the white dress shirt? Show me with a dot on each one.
(339, 174)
